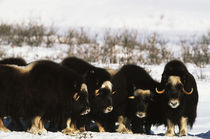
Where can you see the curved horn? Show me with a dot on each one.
(160, 92)
(131, 97)
(96, 92)
(76, 96)
(187, 93)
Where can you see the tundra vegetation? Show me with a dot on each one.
(109, 46)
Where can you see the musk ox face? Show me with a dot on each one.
(103, 97)
(140, 102)
(174, 91)
(81, 101)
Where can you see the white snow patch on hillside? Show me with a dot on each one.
(57, 53)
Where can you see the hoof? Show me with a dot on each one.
(69, 131)
(37, 131)
(82, 129)
(101, 130)
(124, 130)
(169, 133)
(33, 130)
(42, 131)
(183, 133)
(5, 130)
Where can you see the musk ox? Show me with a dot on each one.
(15, 124)
(42, 90)
(180, 97)
(14, 61)
(11, 94)
(94, 76)
(99, 88)
(133, 100)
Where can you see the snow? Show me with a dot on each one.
(32, 53)
(92, 135)
(173, 19)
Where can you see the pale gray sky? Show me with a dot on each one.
(144, 14)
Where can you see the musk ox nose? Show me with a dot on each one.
(86, 111)
(141, 114)
(174, 103)
(108, 109)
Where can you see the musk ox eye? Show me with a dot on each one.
(168, 86)
(75, 85)
(147, 99)
(92, 71)
(179, 86)
(164, 78)
(184, 77)
(97, 82)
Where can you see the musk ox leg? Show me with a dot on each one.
(122, 128)
(100, 127)
(137, 127)
(70, 128)
(2, 126)
(74, 128)
(16, 125)
(82, 129)
(170, 130)
(42, 130)
(37, 126)
(183, 126)
(148, 129)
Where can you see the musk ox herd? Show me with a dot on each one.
(72, 94)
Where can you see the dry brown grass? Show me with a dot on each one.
(116, 46)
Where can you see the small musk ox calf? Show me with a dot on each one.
(134, 93)
(180, 95)
(42, 90)
(99, 88)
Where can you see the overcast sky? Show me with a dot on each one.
(149, 14)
